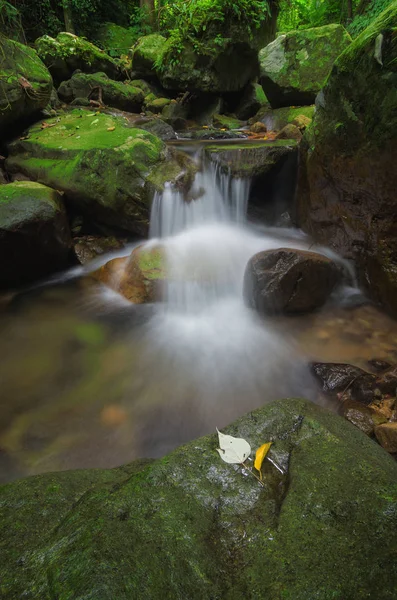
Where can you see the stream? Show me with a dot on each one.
(89, 380)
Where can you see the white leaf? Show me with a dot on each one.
(233, 450)
(94, 121)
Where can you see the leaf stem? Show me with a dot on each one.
(249, 469)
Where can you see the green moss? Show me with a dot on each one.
(24, 201)
(116, 40)
(146, 53)
(114, 93)
(227, 122)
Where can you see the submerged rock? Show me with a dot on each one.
(294, 67)
(347, 185)
(34, 233)
(25, 83)
(192, 526)
(289, 281)
(67, 53)
(108, 170)
(113, 93)
(138, 277)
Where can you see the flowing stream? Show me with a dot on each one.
(89, 380)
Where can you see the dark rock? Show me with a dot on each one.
(192, 526)
(160, 128)
(258, 127)
(386, 434)
(88, 247)
(34, 233)
(289, 281)
(146, 52)
(289, 132)
(359, 415)
(253, 99)
(379, 365)
(338, 377)
(387, 381)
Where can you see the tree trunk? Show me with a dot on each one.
(349, 11)
(150, 8)
(67, 16)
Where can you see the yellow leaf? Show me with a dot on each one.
(111, 128)
(260, 456)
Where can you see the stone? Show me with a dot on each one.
(175, 114)
(107, 170)
(346, 194)
(339, 377)
(158, 127)
(387, 381)
(258, 127)
(386, 434)
(146, 53)
(253, 99)
(89, 247)
(227, 122)
(294, 68)
(191, 526)
(248, 159)
(359, 415)
(156, 105)
(114, 93)
(34, 233)
(26, 83)
(115, 39)
(301, 122)
(289, 281)
(289, 132)
(67, 52)
(138, 277)
(276, 119)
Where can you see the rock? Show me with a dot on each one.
(178, 526)
(387, 381)
(247, 159)
(213, 134)
(175, 114)
(159, 128)
(359, 415)
(258, 127)
(147, 88)
(338, 377)
(289, 281)
(379, 365)
(227, 122)
(294, 68)
(34, 233)
(107, 170)
(289, 132)
(278, 118)
(137, 277)
(146, 52)
(253, 99)
(347, 185)
(114, 93)
(386, 434)
(67, 53)
(88, 247)
(301, 122)
(156, 105)
(115, 39)
(26, 83)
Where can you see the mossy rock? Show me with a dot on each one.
(156, 105)
(25, 83)
(253, 99)
(67, 52)
(114, 93)
(250, 159)
(143, 85)
(352, 146)
(146, 52)
(136, 277)
(277, 119)
(115, 39)
(157, 127)
(294, 67)
(191, 526)
(107, 170)
(227, 122)
(34, 233)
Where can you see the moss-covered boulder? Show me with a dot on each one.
(34, 233)
(277, 119)
(25, 82)
(227, 122)
(137, 277)
(113, 93)
(146, 53)
(347, 190)
(156, 105)
(108, 170)
(157, 127)
(321, 524)
(248, 159)
(67, 52)
(294, 67)
(115, 39)
(253, 99)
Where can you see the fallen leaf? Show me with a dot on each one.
(260, 456)
(94, 121)
(233, 450)
(111, 128)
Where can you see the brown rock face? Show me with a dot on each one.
(386, 434)
(289, 281)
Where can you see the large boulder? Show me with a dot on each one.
(146, 53)
(252, 100)
(113, 93)
(115, 39)
(347, 185)
(25, 83)
(34, 233)
(67, 52)
(107, 170)
(289, 281)
(294, 67)
(321, 524)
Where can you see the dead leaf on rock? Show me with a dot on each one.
(260, 456)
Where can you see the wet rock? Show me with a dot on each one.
(347, 185)
(289, 281)
(138, 277)
(289, 132)
(146, 52)
(386, 434)
(278, 118)
(88, 247)
(258, 127)
(98, 85)
(107, 170)
(189, 507)
(387, 381)
(26, 83)
(175, 114)
(294, 67)
(156, 105)
(253, 99)
(359, 415)
(213, 134)
(68, 53)
(227, 122)
(379, 365)
(301, 122)
(337, 377)
(159, 128)
(34, 233)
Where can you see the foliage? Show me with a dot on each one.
(10, 21)
(367, 12)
